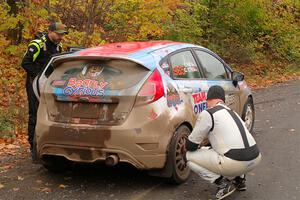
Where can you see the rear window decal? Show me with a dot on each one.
(84, 87)
(92, 70)
(58, 83)
(87, 83)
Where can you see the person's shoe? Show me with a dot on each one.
(225, 188)
(240, 183)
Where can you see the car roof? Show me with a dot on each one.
(126, 48)
(147, 53)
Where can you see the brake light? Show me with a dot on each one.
(152, 90)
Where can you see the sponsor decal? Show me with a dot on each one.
(138, 130)
(173, 98)
(58, 83)
(183, 70)
(84, 87)
(229, 99)
(166, 67)
(179, 70)
(200, 103)
(242, 85)
(153, 115)
(161, 52)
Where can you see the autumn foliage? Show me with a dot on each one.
(260, 38)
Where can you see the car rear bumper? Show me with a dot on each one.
(92, 154)
(143, 145)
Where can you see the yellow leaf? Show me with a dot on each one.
(61, 186)
(1, 186)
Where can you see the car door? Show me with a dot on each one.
(217, 73)
(187, 75)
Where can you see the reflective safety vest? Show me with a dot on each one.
(41, 44)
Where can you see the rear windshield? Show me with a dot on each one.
(108, 74)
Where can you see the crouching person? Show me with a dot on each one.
(233, 150)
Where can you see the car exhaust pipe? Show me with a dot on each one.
(112, 160)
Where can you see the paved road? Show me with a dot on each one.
(277, 130)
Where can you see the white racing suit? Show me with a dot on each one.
(233, 150)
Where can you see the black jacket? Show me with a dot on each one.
(38, 54)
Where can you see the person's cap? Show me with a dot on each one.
(216, 92)
(58, 27)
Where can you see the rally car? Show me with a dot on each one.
(133, 102)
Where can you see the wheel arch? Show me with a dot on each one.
(167, 171)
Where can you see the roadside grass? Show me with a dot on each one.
(262, 75)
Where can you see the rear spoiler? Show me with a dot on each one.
(74, 56)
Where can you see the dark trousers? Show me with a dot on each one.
(33, 104)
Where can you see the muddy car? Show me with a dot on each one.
(133, 102)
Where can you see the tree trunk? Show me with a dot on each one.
(15, 34)
(89, 29)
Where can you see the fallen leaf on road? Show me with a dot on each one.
(6, 167)
(20, 178)
(48, 184)
(67, 178)
(61, 186)
(1, 186)
(46, 190)
(16, 189)
(12, 146)
(42, 189)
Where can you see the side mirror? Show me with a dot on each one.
(236, 77)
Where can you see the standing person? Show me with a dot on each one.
(38, 54)
(233, 150)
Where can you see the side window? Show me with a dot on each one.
(184, 65)
(212, 67)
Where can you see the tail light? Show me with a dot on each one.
(152, 90)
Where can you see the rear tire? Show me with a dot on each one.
(180, 170)
(248, 115)
(56, 164)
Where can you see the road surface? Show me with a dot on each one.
(277, 131)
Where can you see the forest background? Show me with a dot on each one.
(260, 38)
